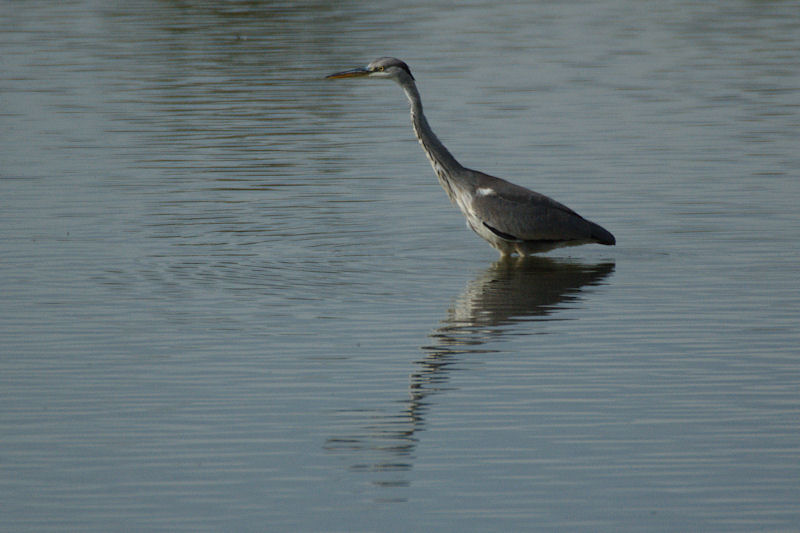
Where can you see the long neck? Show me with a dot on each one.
(441, 159)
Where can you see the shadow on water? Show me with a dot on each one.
(508, 293)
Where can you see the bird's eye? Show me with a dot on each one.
(380, 69)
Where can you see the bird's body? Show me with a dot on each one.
(511, 218)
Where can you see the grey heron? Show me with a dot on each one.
(511, 218)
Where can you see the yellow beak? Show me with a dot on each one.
(352, 73)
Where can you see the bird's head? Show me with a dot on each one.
(383, 67)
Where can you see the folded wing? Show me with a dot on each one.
(510, 210)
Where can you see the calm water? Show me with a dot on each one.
(235, 298)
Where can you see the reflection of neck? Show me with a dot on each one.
(441, 159)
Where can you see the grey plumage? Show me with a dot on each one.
(511, 218)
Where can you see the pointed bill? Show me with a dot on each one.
(352, 73)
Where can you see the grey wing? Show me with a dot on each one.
(516, 213)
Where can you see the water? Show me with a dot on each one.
(235, 298)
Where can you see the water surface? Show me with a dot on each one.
(235, 297)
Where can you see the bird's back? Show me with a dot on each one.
(514, 215)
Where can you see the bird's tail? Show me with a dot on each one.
(602, 236)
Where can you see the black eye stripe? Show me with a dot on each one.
(381, 68)
(405, 67)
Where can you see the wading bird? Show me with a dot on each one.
(511, 218)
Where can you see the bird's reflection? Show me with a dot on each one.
(509, 292)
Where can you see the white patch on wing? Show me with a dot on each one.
(485, 191)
